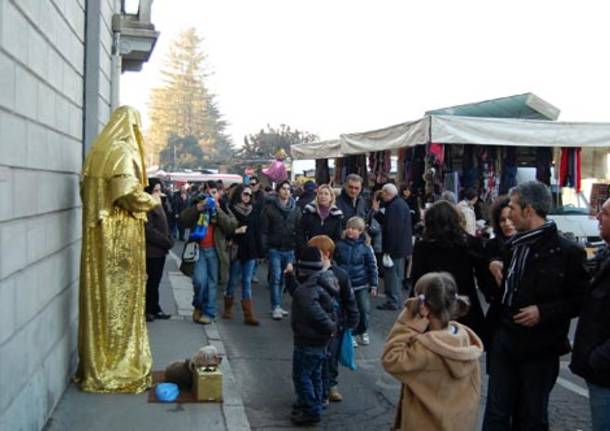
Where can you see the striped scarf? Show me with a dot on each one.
(520, 245)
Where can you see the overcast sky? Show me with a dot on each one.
(335, 66)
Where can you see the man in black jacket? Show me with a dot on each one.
(279, 221)
(395, 220)
(543, 279)
(591, 356)
(350, 201)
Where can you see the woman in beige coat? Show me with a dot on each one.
(435, 359)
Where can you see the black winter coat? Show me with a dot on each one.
(591, 355)
(279, 225)
(555, 279)
(351, 209)
(395, 220)
(314, 316)
(305, 198)
(465, 262)
(348, 314)
(178, 204)
(158, 238)
(249, 246)
(311, 225)
(357, 258)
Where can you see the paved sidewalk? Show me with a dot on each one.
(170, 340)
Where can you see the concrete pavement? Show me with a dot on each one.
(261, 360)
(257, 376)
(171, 340)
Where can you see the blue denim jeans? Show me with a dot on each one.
(330, 368)
(278, 260)
(205, 281)
(363, 300)
(599, 401)
(245, 269)
(307, 378)
(392, 280)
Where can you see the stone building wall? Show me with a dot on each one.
(43, 95)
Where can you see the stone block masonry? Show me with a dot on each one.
(42, 115)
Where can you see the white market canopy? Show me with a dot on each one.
(317, 150)
(453, 129)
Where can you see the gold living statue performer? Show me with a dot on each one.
(114, 354)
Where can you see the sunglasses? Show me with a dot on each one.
(253, 183)
(246, 194)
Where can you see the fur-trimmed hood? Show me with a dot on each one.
(312, 208)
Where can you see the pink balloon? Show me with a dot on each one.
(276, 172)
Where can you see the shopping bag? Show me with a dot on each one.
(347, 354)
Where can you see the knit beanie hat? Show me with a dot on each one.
(309, 186)
(310, 261)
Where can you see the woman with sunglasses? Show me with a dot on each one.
(244, 248)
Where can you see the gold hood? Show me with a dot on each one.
(115, 165)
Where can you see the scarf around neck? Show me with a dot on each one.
(520, 245)
(323, 211)
(243, 209)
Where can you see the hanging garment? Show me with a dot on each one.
(380, 164)
(322, 173)
(418, 167)
(438, 151)
(469, 167)
(569, 170)
(491, 185)
(544, 158)
(509, 170)
(338, 176)
(452, 182)
(400, 166)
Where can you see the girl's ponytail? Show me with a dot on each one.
(439, 293)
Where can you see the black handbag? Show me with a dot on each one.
(190, 256)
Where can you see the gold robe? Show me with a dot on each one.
(114, 354)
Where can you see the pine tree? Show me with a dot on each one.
(184, 107)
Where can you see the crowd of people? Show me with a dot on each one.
(331, 250)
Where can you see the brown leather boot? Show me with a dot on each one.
(196, 315)
(228, 313)
(249, 319)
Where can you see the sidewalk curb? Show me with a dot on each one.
(232, 406)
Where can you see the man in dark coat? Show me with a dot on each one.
(279, 221)
(309, 194)
(591, 356)
(395, 220)
(544, 279)
(350, 201)
(180, 202)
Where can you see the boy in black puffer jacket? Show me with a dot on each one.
(313, 320)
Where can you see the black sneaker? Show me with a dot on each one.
(304, 419)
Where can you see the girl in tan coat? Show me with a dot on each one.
(435, 359)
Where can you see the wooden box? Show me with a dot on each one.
(207, 385)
